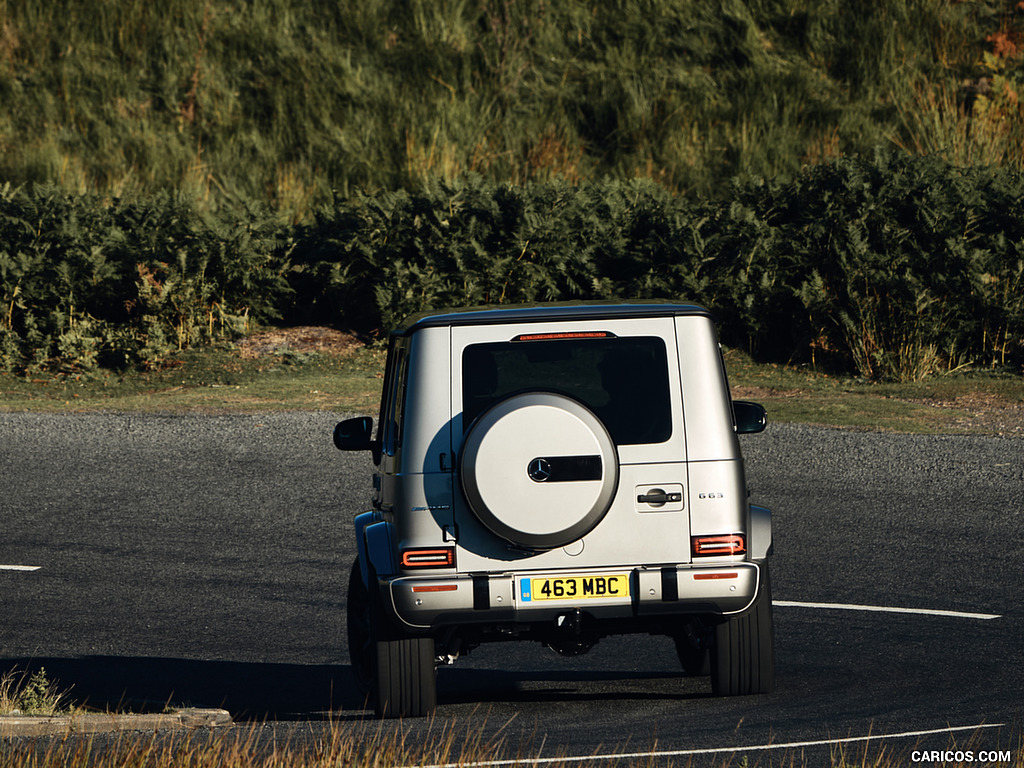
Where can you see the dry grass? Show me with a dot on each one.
(35, 694)
(299, 340)
(375, 745)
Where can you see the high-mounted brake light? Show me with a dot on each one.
(709, 546)
(564, 335)
(428, 558)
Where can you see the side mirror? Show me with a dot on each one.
(750, 417)
(354, 434)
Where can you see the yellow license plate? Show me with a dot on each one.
(594, 587)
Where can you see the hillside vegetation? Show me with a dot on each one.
(290, 100)
(842, 186)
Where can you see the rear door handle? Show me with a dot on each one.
(659, 497)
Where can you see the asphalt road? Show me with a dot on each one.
(203, 561)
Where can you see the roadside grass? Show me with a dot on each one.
(376, 745)
(212, 379)
(35, 694)
(966, 402)
(222, 379)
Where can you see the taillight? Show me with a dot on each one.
(428, 558)
(710, 546)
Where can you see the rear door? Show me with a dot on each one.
(623, 371)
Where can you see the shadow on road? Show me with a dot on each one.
(247, 691)
(308, 692)
(469, 686)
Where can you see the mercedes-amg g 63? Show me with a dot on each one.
(557, 473)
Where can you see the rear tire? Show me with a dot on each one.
(406, 677)
(360, 632)
(395, 670)
(743, 653)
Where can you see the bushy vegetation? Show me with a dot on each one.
(172, 173)
(892, 266)
(85, 283)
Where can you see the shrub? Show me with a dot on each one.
(85, 282)
(890, 265)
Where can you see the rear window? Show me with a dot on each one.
(624, 381)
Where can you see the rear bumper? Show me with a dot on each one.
(432, 601)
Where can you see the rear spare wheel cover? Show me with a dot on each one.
(539, 469)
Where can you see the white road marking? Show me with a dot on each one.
(716, 750)
(20, 567)
(887, 609)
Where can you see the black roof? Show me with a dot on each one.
(548, 311)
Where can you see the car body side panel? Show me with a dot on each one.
(760, 533)
(426, 501)
(710, 434)
(426, 434)
(718, 497)
(377, 550)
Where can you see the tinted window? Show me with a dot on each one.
(390, 433)
(624, 381)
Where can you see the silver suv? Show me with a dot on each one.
(557, 473)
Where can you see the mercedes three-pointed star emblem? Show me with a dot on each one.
(539, 470)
